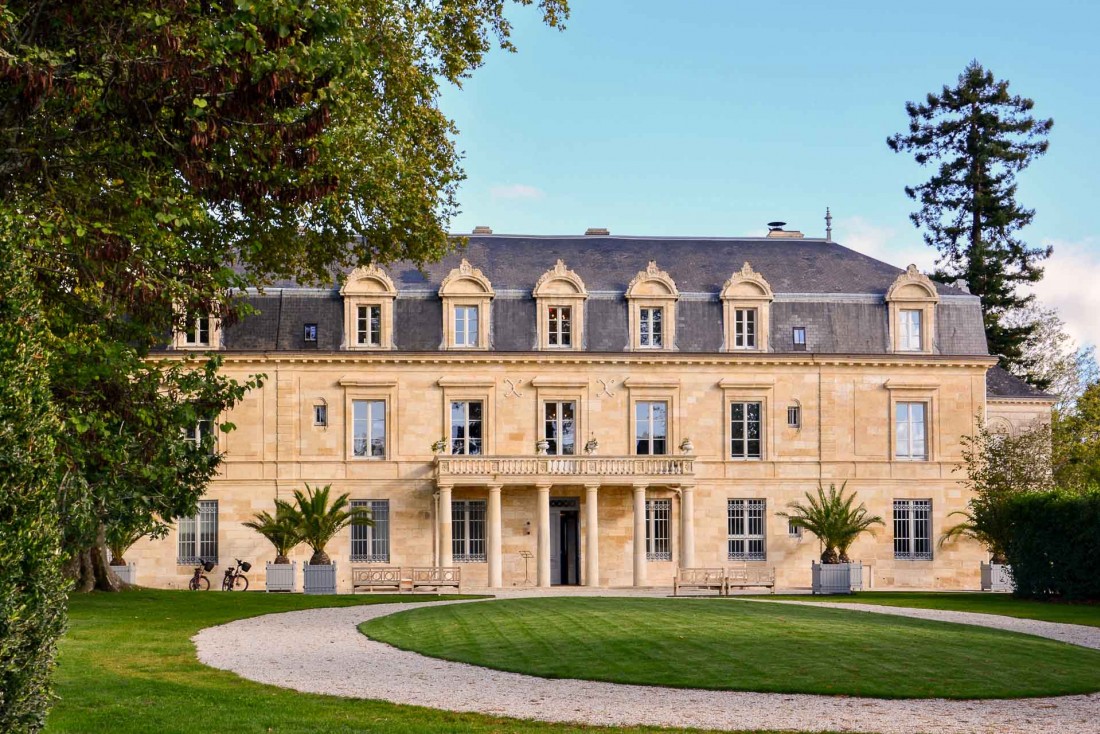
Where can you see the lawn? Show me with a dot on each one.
(127, 666)
(1087, 614)
(738, 645)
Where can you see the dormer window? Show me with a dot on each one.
(309, 333)
(467, 299)
(466, 326)
(909, 324)
(559, 332)
(368, 309)
(368, 325)
(651, 326)
(200, 331)
(652, 296)
(560, 295)
(911, 305)
(798, 337)
(744, 328)
(746, 305)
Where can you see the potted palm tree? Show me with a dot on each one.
(282, 531)
(837, 522)
(119, 540)
(318, 521)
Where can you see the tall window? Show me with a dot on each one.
(651, 428)
(745, 430)
(913, 530)
(198, 535)
(466, 326)
(198, 434)
(651, 324)
(561, 430)
(198, 331)
(466, 427)
(369, 428)
(744, 328)
(910, 325)
(560, 328)
(911, 429)
(798, 336)
(468, 531)
(371, 543)
(658, 547)
(746, 530)
(368, 326)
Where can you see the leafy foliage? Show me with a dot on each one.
(1054, 548)
(981, 136)
(1054, 359)
(834, 519)
(318, 521)
(281, 530)
(1076, 442)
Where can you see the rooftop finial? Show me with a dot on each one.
(828, 225)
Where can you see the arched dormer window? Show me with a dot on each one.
(746, 310)
(652, 296)
(559, 297)
(368, 296)
(911, 303)
(199, 332)
(467, 295)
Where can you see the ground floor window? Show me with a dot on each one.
(746, 530)
(198, 535)
(468, 531)
(913, 530)
(658, 547)
(371, 543)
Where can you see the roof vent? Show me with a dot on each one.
(775, 229)
(597, 231)
(482, 229)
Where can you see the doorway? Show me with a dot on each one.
(565, 544)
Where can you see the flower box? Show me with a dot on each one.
(320, 579)
(280, 576)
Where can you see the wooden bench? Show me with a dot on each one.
(375, 577)
(747, 576)
(434, 576)
(699, 578)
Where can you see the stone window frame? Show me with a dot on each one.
(466, 286)
(747, 289)
(556, 390)
(745, 421)
(368, 285)
(652, 288)
(915, 393)
(560, 287)
(734, 391)
(912, 291)
(214, 334)
(464, 389)
(666, 391)
(358, 389)
(909, 506)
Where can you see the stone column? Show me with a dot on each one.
(639, 535)
(687, 527)
(496, 577)
(445, 558)
(543, 555)
(591, 536)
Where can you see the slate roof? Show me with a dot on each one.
(1000, 383)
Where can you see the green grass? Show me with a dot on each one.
(127, 666)
(739, 645)
(1087, 614)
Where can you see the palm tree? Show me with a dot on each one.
(318, 522)
(281, 530)
(833, 519)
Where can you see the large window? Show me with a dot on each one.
(913, 530)
(745, 530)
(909, 322)
(466, 326)
(651, 328)
(468, 531)
(561, 431)
(368, 326)
(197, 333)
(198, 535)
(658, 513)
(371, 543)
(911, 429)
(369, 428)
(745, 430)
(744, 328)
(559, 331)
(651, 428)
(466, 427)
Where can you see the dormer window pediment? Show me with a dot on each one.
(368, 294)
(911, 309)
(746, 311)
(467, 297)
(651, 298)
(560, 295)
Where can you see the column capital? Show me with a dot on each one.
(494, 487)
(444, 487)
(592, 486)
(543, 486)
(643, 486)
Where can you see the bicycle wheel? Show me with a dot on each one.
(202, 583)
(242, 582)
(227, 583)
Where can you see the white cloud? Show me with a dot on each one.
(1072, 285)
(516, 191)
(885, 243)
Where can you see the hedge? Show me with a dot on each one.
(1054, 544)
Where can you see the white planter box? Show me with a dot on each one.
(280, 576)
(836, 578)
(319, 579)
(127, 573)
(997, 577)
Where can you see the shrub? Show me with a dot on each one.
(1054, 544)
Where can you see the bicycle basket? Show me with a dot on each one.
(246, 566)
(208, 566)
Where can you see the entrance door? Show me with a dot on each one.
(565, 545)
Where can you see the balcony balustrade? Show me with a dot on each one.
(528, 469)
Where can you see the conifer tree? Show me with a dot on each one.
(980, 136)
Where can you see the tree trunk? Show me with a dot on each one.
(90, 569)
(320, 558)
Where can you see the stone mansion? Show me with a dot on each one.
(601, 410)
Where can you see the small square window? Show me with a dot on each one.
(798, 335)
(309, 333)
(320, 415)
(794, 531)
(794, 416)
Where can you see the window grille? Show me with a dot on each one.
(744, 328)
(651, 326)
(466, 427)
(561, 431)
(560, 332)
(745, 530)
(651, 428)
(658, 547)
(371, 543)
(468, 531)
(368, 419)
(197, 535)
(911, 431)
(745, 430)
(368, 326)
(466, 318)
(913, 530)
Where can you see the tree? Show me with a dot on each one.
(834, 519)
(1076, 443)
(1057, 364)
(981, 137)
(281, 530)
(318, 521)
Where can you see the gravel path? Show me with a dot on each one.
(321, 651)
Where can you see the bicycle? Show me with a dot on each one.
(199, 580)
(234, 579)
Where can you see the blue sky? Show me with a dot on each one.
(713, 118)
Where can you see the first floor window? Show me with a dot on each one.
(368, 428)
(560, 331)
(910, 330)
(371, 543)
(744, 328)
(650, 428)
(561, 432)
(745, 431)
(468, 531)
(199, 433)
(466, 318)
(466, 427)
(198, 535)
(912, 431)
(913, 530)
(198, 331)
(651, 325)
(368, 326)
(745, 530)
(657, 516)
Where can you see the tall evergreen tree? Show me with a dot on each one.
(981, 137)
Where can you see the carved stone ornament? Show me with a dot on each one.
(913, 285)
(359, 281)
(652, 273)
(560, 272)
(466, 271)
(747, 275)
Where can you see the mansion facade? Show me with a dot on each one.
(601, 410)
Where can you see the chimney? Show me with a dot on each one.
(600, 231)
(482, 229)
(775, 229)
